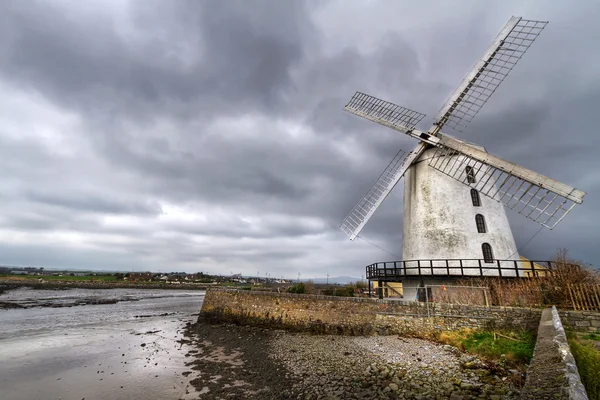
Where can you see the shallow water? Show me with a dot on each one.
(95, 351)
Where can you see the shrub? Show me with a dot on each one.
(299, 288)
(347, 291)
(309, 286)
(360, 285)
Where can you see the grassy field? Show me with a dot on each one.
(85, 278)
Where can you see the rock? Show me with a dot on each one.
(393, 386)
(470, 365)
(466, 385)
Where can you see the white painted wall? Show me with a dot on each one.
(439, 222)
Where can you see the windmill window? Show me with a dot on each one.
(480, 221)
(488, 256)
(475, 197)
(470, 174)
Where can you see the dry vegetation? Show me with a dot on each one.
(553, 288)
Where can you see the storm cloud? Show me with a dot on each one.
(210, 136)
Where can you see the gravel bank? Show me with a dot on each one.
(244, 362)
(386, 367)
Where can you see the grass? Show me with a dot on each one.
(592, 336)
(513, 348)
(587, 357)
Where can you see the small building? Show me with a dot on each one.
(390, 289)
(533, 269)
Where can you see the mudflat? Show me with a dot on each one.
(130, 349)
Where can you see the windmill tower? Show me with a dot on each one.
(455, 192)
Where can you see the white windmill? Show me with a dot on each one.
(449, 229)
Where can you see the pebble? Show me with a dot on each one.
(384, 367)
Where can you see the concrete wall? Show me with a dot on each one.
(356, 316)
(439, 219)
(552, 373)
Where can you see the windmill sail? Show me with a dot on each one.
(364, 209)
(389, 115)
(383, 112)
(489, 72)
(533, 195)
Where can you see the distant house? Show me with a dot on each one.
(140, 277)
(177, 276)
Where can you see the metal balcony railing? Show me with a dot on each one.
(393, 270)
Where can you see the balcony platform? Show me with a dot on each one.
(457, 268)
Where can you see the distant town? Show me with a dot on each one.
(159, 277)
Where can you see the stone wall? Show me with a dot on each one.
(581, 320)
(357, 316)
(552, 373)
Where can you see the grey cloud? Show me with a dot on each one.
(95, 203)
(196, 103)
(241, 58)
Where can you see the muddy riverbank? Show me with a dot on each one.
(27, 297)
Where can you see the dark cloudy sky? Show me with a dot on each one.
(209, 135)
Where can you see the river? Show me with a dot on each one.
(127, 350)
